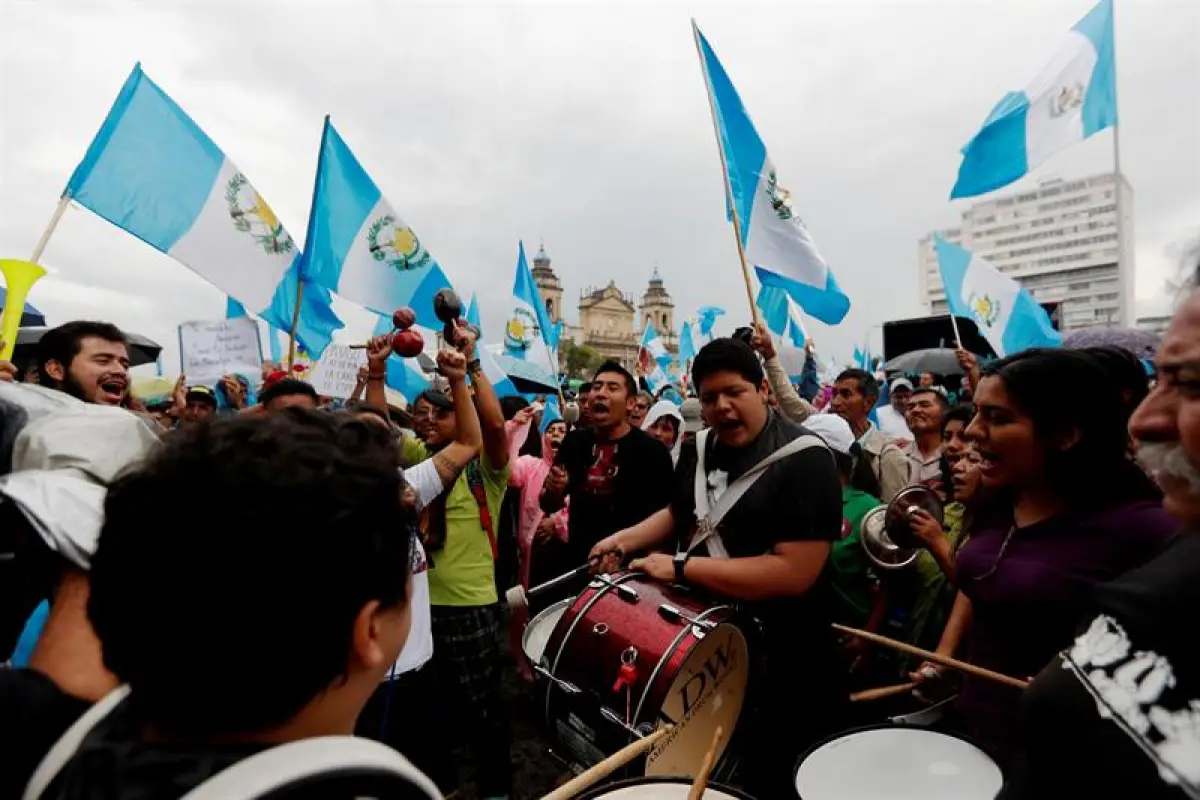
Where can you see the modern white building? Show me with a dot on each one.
(1059, 241)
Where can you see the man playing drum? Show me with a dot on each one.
(755, 526)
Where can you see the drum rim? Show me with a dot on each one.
(595, 792)
(883, 726)
(544, 612)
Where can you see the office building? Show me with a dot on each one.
(1058, 240)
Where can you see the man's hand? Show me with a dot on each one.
(556, 481)
(464, 340)
(607, 554)
(925, 527)
(762, 341)
(659, 566)
(452, 364)
(179, 392)
(966, 360)
(8, 371)
(524, 416)
(378, 350)
(545, 529)
(233, 390)
(360, 380)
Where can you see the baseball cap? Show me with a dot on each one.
(201, 394)
(693, 420)
(833, 429)
(902, 383)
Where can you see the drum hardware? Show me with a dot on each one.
(615, 719)
(600, 628)
(672, 614)
(675, 644)
(566, 686)
(626, 593)
(885, 532)
(573, 787)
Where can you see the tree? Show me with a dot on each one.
(581, 359)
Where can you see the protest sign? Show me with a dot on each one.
(335, 374)
(209, 350)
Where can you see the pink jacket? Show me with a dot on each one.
(528, 474)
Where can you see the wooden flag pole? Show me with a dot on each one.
(737, 223)
(63, 203)
(295, 324)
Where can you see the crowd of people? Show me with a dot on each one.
(248, 565)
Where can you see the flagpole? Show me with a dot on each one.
(295, 323)
(1127, 279)
(737, 224)
(63, 203)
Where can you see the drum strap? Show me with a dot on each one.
(709, 513)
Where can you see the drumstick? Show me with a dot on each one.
(881, 692)
(607, 766)
(928, 655)
(518, 596)
(697, 790)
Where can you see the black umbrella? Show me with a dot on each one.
(938, 360)
(29, 316)
(141, 349)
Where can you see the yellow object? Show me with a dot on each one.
(19, 277)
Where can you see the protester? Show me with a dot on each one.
(665, 423)
(1116, 714)
(855, 393)
(892, 419)
(924, 418)
(87, 360)
(768, 552)
(614, 474)
(287, 393)
(640, 408)
(1066, 510)
(199, 405)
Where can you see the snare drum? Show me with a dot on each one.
(630, 653)
(537, 633)
(660, 788)
(896, 761)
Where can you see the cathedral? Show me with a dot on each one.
(609, 321)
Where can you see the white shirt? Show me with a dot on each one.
(418, 648)
(892, 423)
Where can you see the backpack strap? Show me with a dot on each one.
(68, 744)
(479, 492)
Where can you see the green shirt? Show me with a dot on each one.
(463, 572)
(853, 580)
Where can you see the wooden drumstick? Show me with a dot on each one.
(710, 758)
(881, 692)
(608, 766)
(928, 655)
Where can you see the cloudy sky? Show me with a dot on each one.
(583, 125)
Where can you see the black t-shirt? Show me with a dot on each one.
(1118, 714)
(34, 714)
(799, 498)
(613, 484)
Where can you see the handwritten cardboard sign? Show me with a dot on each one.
(209, 350)
(337, 371)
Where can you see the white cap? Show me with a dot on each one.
(833, 429)
(902, 383)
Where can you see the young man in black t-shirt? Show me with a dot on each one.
(769, 553)
(616, 475)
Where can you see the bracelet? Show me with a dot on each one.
(376, 376)
(474, 366)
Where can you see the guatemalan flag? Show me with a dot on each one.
(1073, 97)
(775, 239)
(359, 247)
(528, 329)
(781, 315)
(153, 172)
(652, 353)
(1007, 315)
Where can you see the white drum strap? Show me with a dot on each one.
(709, 513)
(67, 745)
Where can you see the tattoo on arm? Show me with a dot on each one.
(448, 469)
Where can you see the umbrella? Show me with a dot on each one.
(141, 349)
(30, 316)
(1143, 344)
(938, 360)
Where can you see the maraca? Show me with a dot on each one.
(404, 318)
(448, 308)
(407, 343)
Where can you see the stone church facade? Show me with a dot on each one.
(609, 320)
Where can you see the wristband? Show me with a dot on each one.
(474, 366)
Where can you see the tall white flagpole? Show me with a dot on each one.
(1125, 270)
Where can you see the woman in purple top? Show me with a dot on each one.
(1065, 509)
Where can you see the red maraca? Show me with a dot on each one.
(407, 343)
(404, 318)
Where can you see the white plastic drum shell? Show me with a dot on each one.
(897, 762)
(538, 630)
(659, 790)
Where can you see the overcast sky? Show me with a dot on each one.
(585, 126)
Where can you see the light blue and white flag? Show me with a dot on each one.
(652, 352)
(152, 172)
(707, 316)
(234, 309)
(528, 328)
(775, 239)
(781, 315)
(687, 344)
(556, 333)
(1073, 97)
(359, 247)
(471, 313)
(551, 413)
(1007, 315)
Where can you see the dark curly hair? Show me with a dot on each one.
(233, 564)
(285, 387)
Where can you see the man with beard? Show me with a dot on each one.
(87, 360)
(1118, 713)
(767, 551)
(616, 475)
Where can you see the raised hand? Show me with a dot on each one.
(378, 350)
(452, 364)
(762, 341)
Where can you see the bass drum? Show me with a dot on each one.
(660, 788)
(629, 654)
(895, 761)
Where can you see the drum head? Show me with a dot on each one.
(897, 761)
(707, 693)
(660, 788)
(538, 630)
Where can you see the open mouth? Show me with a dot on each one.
(599, 408)
(987, 462)
(112, 391)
